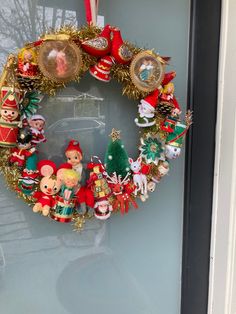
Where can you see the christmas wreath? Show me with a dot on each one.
(43, 67)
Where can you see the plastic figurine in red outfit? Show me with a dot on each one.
(23, 150)
(27, 65)
(49, 186)
(74, 156)
(37, 123)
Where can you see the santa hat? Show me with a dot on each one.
(168, 77)
(65, 165)
(151, 99)
(102, 69)
(102, 201)
(37, 117)
(74, 145)
(10, 98)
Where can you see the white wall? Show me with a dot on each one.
(222, 288)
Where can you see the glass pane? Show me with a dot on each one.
(128, 264)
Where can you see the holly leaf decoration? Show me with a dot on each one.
(30, 104)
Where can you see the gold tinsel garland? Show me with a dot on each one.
(119, 72)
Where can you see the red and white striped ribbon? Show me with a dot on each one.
(91, 10)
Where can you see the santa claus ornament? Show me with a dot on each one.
(146, 110)
(117, 183)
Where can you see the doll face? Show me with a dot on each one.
(9, 114)
(50, 186)
(24, 146)
(73, 157)
(170, 88)
(70, 183)
(28, 55)
(103, 208)
(37, 124)
(143, 108)
(172, 152)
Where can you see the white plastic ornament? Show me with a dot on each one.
(172, 152)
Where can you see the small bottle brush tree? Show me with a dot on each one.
(116, 158)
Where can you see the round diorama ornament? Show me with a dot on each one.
(59, 60)
(147, 71)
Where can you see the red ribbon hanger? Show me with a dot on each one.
(91, 10)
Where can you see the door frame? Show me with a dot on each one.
(222, 284)
(205, 23)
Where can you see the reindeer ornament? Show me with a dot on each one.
(122, 191)
(139, 178)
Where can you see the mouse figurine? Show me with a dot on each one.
(49, 186)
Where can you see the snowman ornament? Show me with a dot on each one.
(172, 152)
(174, 141)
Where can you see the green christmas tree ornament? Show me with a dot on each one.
(116, 158)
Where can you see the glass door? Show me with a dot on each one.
(128, 264)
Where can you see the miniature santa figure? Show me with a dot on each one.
(37, 123)
(146, 110)
(74, 156)
(99, 186)
(102, 209)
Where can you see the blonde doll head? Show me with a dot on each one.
(70, 178)
(168, 88)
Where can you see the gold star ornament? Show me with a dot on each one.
(115, 135)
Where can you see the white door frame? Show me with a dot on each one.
(222, 280)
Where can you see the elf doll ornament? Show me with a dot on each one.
(37, 123)
(29, 179)
(74, 156)
(146, 110)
